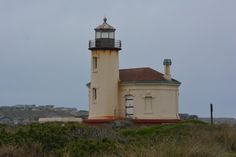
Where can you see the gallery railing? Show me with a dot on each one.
(105, 44)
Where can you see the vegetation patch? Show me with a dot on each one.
(184, 139)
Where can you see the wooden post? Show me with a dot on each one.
(211, 108)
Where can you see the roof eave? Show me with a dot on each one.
(172, 83)
(105, 29)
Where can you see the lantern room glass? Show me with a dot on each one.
(98, 35)
(111, 35)
(105, 35)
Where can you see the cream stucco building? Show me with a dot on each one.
(140, 94)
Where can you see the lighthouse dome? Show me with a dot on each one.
(105, 26)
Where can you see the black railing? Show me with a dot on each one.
(105, 44)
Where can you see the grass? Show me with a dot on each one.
(184, 139)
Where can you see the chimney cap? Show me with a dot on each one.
(167, 62)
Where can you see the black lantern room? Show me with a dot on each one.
(105, 38)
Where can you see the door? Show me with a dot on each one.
(129, 107)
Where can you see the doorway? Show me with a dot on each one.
(129, 107)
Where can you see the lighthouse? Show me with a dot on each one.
(103, 88)
(142, 95)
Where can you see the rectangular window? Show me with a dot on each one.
(98, 35)
(148, 104)
(104, 34)
(111, 35)
(95, 63)
(94, 94)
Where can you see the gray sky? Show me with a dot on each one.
(44, 56)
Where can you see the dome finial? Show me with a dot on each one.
(105, 19)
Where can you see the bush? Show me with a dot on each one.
(27, 150)
(89, 147)
(185, 139)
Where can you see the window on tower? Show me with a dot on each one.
(94, 94)
(95, 63)
(98, 35)
(105, 35)
(111, 35)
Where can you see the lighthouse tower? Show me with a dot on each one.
(103, 88)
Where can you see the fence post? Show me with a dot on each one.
(211, 108)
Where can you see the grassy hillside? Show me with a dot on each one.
(185, 139)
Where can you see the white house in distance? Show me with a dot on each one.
(141, 94)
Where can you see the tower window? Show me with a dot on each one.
(98, 35)
(111, 35)
(95, 63)
(94, 94)
(105, 35)
(148, 104)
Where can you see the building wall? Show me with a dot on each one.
(105, 80)
(164, 100)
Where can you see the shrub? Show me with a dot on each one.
(185, 139)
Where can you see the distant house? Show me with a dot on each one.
(186, 116)
(60, 119)
(82, 114)
(6, 120)
(18, 121)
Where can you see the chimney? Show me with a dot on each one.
(167, 64)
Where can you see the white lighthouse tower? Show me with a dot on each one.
(103, 88)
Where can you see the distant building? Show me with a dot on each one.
(25, 114)
(60, 119)
(18, 121)
(143, 95)
(82, 114)
(186, 116)
(6, 120)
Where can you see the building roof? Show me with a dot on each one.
(105, 26)
(143, 75)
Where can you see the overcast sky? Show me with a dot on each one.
(44, 56)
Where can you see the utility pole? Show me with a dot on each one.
(211, 109)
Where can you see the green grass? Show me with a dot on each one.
(184, 139)
(160, 130)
